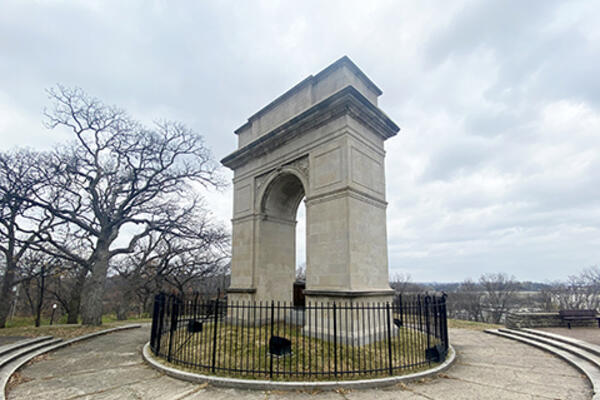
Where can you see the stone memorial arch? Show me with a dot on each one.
(323, 141)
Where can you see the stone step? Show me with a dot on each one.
(577, 351)
(22, 343)
(592, 348)
(21, 355)
(18, 360)
(26, 350)
(9, 368)
(580, 361)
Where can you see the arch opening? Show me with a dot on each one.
(278, 236)
(283, 196)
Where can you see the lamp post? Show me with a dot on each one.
(54, 306)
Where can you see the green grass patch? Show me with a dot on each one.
(24, 326)
(472, 325)
(110, 318)
(241, 348)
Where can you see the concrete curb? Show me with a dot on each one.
(294, 385)
(57, 346)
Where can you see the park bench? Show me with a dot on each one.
(578, 315)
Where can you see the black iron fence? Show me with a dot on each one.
(319, 341)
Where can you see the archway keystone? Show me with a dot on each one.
(322, 140)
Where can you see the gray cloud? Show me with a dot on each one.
(497, 164)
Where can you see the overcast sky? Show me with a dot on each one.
(497, 165)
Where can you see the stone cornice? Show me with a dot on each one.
(263, 217)
(344, 192)
(348, 293)
(312, 80)
(241, 290)
(347, 101)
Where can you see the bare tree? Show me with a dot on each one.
(67, 289)
(546, 297)
(36, 268)
(581, 291)
(591, 287)
(18, 226)
(116, 180)
(467, 301)
(402, 283)
(196, 249)
(70, 246)
(500, 290)
(301, 272)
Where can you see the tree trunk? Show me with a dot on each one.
(124, 304)
(6, 293)
(73, 311)
(40, 300)
(91, 311)
(144, 305)
(75, 297)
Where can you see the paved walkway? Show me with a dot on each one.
(488, 367)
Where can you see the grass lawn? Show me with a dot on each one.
(476, 326)
(24, 326)
(243, 352)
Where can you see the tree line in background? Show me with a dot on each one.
(491, 297)
(107, 219)
(103, 222)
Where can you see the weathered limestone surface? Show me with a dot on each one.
(323, 140)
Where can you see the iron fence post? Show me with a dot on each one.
(161, 318)
(214, 349)
(401, 318)
(270, 353)
(173, 327)
(389, 337)
(334, 340)
(444, 322)
(437, 332)
(427, 322)
(156, 325)
(420, 311)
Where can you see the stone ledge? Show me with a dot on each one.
(294, 385)
(592, 348)
(541, 320)
(22, 343)
(241, 290)
(348, 293)
(22, 352)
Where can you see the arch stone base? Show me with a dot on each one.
(323, 140)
